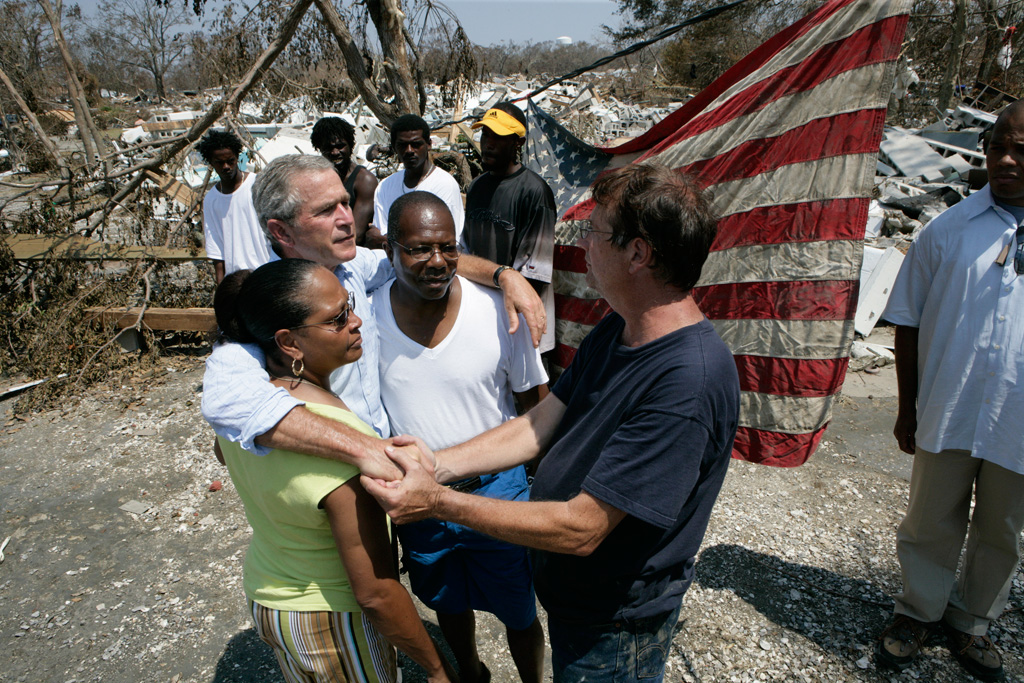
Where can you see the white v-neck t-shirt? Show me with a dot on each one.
(464, 385)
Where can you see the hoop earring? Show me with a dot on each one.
(302, 366)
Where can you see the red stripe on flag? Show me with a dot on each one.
(581, 311)
(856, 132)
(791, 377)
(869, 45)
(833, 219)
(775, 448)
(562, 356)
(570, 258)
(753, 61)
(789, 300)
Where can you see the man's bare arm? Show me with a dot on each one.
(526, 400)
(512, 443)
(362, 207)
(906, 385)
(577, 526)
(520, 296)
(305, 432)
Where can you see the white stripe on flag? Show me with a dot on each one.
(573, 284)
(570, 333)
(787, 262)
(789, 414)
(833, 178)
(840, 95)
(800, 339)
(840, 25)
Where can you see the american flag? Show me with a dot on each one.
(787, 141)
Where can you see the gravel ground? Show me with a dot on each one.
(124, 566)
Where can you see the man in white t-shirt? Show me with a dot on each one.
(450, 370)
(231, 228)
(410, 140)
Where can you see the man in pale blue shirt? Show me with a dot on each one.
(957, 305)
(304, 210)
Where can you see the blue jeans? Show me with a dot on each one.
(612, 653)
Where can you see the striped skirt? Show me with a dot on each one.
(316, 647)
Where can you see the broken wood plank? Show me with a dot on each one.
(157, 126)
(173, 188)
(468, 132)
(163, 319)
(81, 248)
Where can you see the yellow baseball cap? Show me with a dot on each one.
(501, 123)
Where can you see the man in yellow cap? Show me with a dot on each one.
(510, 210)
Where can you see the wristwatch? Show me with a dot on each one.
(497, 274)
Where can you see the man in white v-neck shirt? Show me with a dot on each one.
(232, 234)
(449, 370)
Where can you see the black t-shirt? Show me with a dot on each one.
(511, 221)
(648, 430)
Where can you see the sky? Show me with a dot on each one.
(489, 22)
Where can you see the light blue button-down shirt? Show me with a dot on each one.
(970, 313)
(240, 402)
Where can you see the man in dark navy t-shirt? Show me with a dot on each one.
(637, 436)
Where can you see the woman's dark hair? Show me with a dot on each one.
(252, 305)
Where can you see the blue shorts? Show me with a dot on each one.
(453, 568)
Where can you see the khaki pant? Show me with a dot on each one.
(931, 536)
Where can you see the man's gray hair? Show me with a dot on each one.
(275, 195)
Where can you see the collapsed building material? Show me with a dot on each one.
(878, 273)
(914, 157)
(941, 198)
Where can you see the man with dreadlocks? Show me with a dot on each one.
(335, 139)
(510, 210)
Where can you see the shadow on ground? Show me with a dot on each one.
(247, 659)
(834, 611)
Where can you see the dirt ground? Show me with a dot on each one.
(123, 565)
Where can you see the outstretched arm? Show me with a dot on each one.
(242, 406)
(577, 526)
(305, 432)
(511, 443)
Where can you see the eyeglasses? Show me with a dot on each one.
(425, 252)
(1018, 258)
(338, 322)
(585, 227)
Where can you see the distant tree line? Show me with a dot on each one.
(151, 49)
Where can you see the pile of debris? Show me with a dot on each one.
(584, 106)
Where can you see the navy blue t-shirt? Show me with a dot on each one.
(648, 430)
